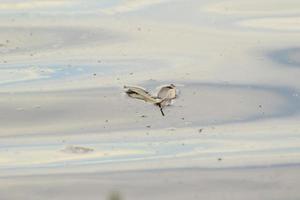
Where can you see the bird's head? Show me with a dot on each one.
(172, 85)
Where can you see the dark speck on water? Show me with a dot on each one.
(114, 196)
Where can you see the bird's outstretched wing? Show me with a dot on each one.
(140, 93)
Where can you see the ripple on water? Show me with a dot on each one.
(273, 23)
(237, 7)
(16, 75)
(38, 39)
(287, 56)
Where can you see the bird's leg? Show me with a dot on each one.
(161, 110)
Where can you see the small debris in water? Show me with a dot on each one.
(143, 116)
(200, 130)
(115, 196)
(76, 149)
(148, 126)
(219, 159)
(37, 107)
(171, 129)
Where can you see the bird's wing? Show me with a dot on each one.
(140, 93)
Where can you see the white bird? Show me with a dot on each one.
(164, 96)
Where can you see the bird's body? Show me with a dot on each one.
(168, 91)
(167, 94)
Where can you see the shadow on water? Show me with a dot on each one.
(288, 56)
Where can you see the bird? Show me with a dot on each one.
(163, 98)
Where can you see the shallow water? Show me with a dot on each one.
(64, 63)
